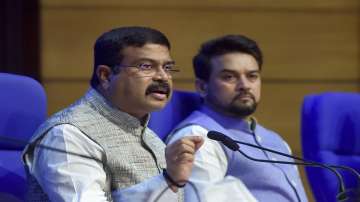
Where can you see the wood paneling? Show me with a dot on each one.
(296, 45)
(255, 4)
(62, 94)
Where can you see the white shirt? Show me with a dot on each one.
(67, 177)
(209, 171)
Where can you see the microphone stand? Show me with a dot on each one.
(342, 195)
(233, 145)
(300, 159)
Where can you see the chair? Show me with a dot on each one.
(182, 103)
(330, 132)
(22, 109)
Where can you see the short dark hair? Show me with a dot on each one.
(220, 46)
(108, 47)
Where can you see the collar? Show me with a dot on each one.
(107, 109)
(228, 122)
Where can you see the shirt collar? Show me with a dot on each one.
(101, 104)
(229, 122)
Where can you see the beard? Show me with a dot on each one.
(238, 106)
(242, 109)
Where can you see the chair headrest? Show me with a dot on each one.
(22, 109)
(331, 121)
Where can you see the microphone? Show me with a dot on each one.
(229, 142)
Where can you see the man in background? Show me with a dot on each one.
(100, 148)
(228, 79)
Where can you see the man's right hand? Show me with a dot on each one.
(180, 157)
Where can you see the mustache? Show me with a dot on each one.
(163, 87)
(244, 93)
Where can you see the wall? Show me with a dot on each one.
(309, 47)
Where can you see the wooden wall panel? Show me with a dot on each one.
(255, 4)
(62, 94)
(297, 45)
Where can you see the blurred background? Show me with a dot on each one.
(309, 46)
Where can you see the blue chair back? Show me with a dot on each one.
(22, 109)
(180, 106)
(330, 132)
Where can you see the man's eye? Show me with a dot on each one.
(228, 77)
(145, 66)
(168, 67)
(253, 76)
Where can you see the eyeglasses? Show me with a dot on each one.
(150, 69)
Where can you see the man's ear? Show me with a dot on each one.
(201, 87)
(103, 73)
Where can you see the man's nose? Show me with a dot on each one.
(243, 83)
(161, 74)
